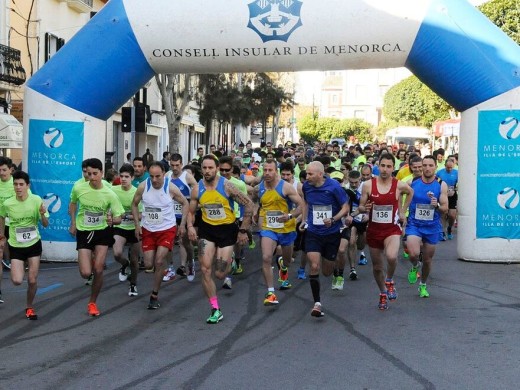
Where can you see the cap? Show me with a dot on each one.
(337, 175)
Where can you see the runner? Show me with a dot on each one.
(429, 201)
(99, 207)
(325, 204)
(125, 232)
(217, 231)
(450, 176)
(6, 192)
(24, 211)
(278, 224)
(185, 182)
(158, 223)
(382, 197)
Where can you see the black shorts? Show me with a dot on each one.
(327, 245)
(128, 235)
(299, 242)
(452, 201)
(25, 253)
(89, 239)
(198, 218)
(221, 235)
(360, 227)
(345, 233)
(6, 233)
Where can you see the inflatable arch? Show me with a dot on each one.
(448, 44)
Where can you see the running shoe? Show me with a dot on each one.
(141, 265)
(1, 299)
(423, 293)
(169, 274)
(191, 271)
(181, 271)
(270, 299)
(450, 236)
(353, 274)
(286, 285)
(150, 270)
(123, 275)
(283, 272)
(89, 280)
(252, 244)
(215, 317)
(340, 281)
(301, 274)
(132, 290)
(93, 310)
(362, 259)
(228, 284)
(154, 303)
(405, 255)
(316, 310)
(334, 282)
(6, 264)
(31, 314)
(413, 275)
(390, 290)
(238, 270)
(233, 264)
(383, 303)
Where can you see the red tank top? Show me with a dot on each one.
(384, 215)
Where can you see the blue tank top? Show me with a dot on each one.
(422, 213)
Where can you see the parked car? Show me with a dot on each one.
(340, 141)
(256, 131)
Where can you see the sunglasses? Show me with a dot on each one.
(225, 170)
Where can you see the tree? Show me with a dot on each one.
(324, 129)
(410, 102)
(505, 14)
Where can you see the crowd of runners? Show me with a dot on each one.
(315, 206)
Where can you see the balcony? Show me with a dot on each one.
(80, 5)
(11, 69)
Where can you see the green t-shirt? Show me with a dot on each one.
(242, 188)
(6, 192)
(93, 206)
(126, 198)
(24, 217)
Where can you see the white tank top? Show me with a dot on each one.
(157, 212)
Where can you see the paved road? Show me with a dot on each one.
(465, 336)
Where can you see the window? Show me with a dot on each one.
(52, 45)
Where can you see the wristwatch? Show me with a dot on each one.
(243, 231)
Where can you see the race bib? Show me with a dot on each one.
(126, 221)
(358, 217)
(26, 234)
(215, 211)
(319, 213)
(93, 218)
(177, 208)
(424, 212)
(272, 219)
(382, 213)
(153, 215)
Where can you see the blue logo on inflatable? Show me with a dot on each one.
(509, 128)
(274, 20)
(53, 138)
(52, 202)
(508, 198)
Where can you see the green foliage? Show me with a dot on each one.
(505, 14)
(326, 128)
(411, 102)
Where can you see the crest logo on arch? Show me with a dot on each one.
(274, 20)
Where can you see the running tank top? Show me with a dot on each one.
(421, 211)
(217, 207)
(157, 214)
(273, 205)
(384, 214)
(184, 188)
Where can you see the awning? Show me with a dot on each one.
(191, 121)
(11, 132)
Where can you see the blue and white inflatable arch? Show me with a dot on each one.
(448, 44)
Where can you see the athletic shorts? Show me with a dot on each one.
(89, 239)
(283, 239)
(25, 253)
(221, 235)
(153, 240)
(376, 238)
(327, 245)
(6, 233)
(360, 227)
(429, 235)
(452, 201)
(346, 233)
(128, 235)
(299, 242)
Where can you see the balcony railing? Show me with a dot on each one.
(11, 69)
(81, 5)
